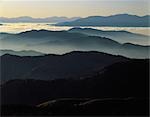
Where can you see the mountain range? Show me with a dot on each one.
(48, 67)
(121, 88)
(119, 20)
(60, 42)
(119, 36)
(21, 53)
(27, 19)
(80, 71)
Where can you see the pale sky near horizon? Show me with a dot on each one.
(72, 8)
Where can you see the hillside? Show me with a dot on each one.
(119, 36)
(60, 42)
(119, 89)
(48, 67)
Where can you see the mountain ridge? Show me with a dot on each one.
(59, 42)
(119, 36)
(26, 19)
(20, 53)
(106, 84)
(120, 20)
(55, 66)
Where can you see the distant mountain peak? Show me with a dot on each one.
(52, 19)
(121, 20)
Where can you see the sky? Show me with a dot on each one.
(72, 8)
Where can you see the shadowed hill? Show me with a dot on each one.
(47, 67)
(120, 80)
(81, 106)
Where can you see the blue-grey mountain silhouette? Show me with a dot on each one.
(21, 53)
(119, 36)
(60, 42)
(121, 20)
(26, 19)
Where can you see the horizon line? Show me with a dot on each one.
(77, 16)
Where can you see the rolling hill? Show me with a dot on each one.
(127, 79)
(119, 36)
(21, 53)
(48, 67)
(60, 42)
